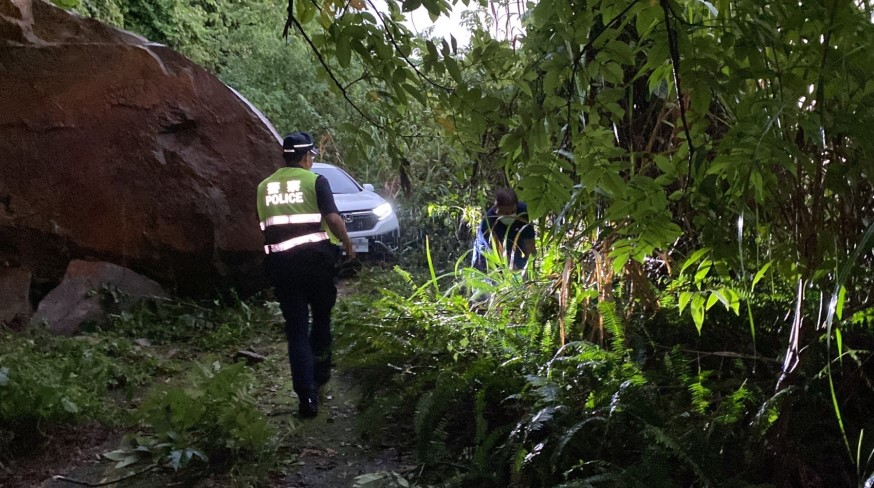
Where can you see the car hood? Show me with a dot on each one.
(363, 200)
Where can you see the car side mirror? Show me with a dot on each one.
(368, 187)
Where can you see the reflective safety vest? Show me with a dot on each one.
(289, 211)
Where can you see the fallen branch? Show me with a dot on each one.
(104, 483)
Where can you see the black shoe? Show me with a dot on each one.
(309, 408)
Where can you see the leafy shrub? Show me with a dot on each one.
(490, 397)
(209, 326)
(430, 362)
(49, 380)
(212, 418)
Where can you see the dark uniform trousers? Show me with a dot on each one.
(303, 280)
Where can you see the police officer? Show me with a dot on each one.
(301, 226)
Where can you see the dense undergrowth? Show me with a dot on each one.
(164, 373)
(473, 367)
(491, 379)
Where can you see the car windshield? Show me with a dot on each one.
(338, 179)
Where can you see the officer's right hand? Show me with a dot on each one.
(349, 267)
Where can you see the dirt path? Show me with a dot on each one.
(329, 451)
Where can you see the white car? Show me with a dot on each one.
(370, 220)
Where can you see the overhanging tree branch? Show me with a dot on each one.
(290, 21)
(577, 64)
(407, 60)
(675, 65)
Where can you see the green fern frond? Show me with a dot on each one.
(569, 435)
(486, 452)
(732, 408)
(700, 396)
(614, 326)
(404, 274)
(677, 365)
(423, 412)
(547, 341)
(662, 438)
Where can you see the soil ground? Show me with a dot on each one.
(329, 451)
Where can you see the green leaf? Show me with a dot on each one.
(432, 50)
(179, 458)
(117, 455)
(684, 299)
(400, 95)
(370, 479)
(69, 405)
(694, 258)
(700, 99)
(344, 52)
(127, 461)
(703, 269)
(418, 94)
(698, 311)
(175, 459)
(647, 18)
(444, 48)
(839, 305)
(666, 165)
(383, 50)
(452, 67)
(621, 52)
(733, 300)
(305, 12)
(712, 299)
(619, 262)
(761, 273)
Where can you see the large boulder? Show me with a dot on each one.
(89, 292)
(119, 149)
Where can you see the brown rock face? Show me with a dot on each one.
(117, 149)
(14, 294)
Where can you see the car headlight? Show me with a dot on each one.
(382, 211)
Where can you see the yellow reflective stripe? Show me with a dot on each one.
(294, 242)
(291, 219)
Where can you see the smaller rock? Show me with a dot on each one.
(143, 342)
(77, 299)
